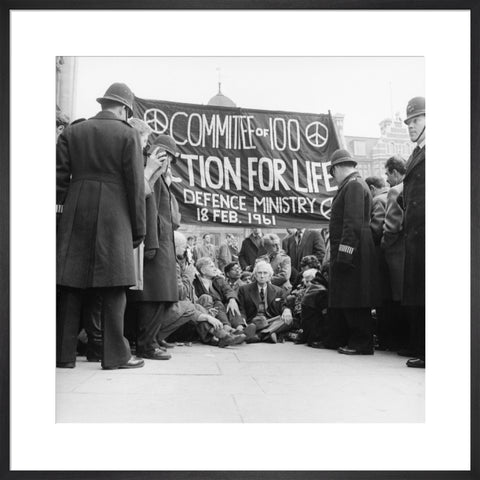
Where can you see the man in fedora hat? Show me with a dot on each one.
(101, 198)
(353, 271)
(414, 231)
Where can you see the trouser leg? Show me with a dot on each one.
(166, 331)
(149, 323)
(417, 330)
(312, 324)
(92, 315)
(360, 327)
(69, 314)
(116, 350)
(337, 329)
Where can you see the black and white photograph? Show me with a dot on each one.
(248, 250)
(240, 239)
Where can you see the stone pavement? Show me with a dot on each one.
(247, 383)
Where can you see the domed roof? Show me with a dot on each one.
(220, 100)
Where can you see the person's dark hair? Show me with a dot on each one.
(190, 238)
(377, 182)
(310, 261)
(228, 267)
(205, 234)
(396, 163)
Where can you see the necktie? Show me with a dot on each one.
(299, 238)
(261, 307)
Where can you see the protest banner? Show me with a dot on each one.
(244, 167)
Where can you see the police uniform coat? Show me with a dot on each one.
(353, 263)
(100, 184)
(159, 273)
(414, 229)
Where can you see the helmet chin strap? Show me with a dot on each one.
(421, 133)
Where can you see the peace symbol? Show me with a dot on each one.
(317, 134)
(156, 120)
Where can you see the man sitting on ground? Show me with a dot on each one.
(262, 304)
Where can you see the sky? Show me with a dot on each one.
(365, 89)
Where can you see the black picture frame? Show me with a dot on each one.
(472, 5)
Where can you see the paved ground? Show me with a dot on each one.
(247, 383)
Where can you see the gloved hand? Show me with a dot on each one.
(150, 253)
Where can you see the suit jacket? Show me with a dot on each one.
(414, 228)
(311, 244)
(226, 254)
(379, 207)
(203, 250)
(101, 187)
(249, 252)
(249, 300)
(393, 241)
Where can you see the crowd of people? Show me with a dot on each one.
(133, 283)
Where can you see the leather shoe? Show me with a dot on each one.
(65, 364)
(157, 354)
(249, 331)
(94, 359)
(165, 344)
(228, 340)
(317, 345)
(416, 363)
(254, 339)
(134, 362)
(352, 351)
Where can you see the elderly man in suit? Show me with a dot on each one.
(414, 229)
(262, 304)
(101, 198)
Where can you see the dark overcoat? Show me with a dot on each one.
(354, 273)
(249, 300)
(101, 187)
(414, 229)
(159, 273)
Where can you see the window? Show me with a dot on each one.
(359, 148)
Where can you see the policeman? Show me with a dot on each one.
(414, 229)
(353, 264)
(101, 197)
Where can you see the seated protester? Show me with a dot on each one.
(263, 305)
(232, 275)
(246, 277)
(314, 311)
(295, 298)
(207, 281)
(309, 261)
(184, 316)
(279, 260)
